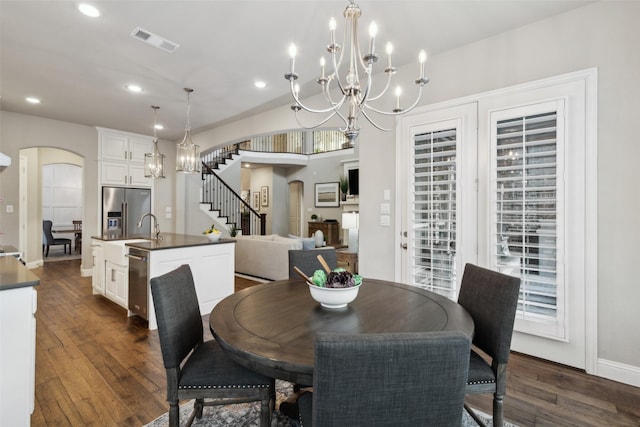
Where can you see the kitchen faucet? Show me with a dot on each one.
(155, 220)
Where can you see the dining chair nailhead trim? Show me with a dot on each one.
(185, 387)
(481, 382)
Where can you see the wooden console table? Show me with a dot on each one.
(331, 231)
(347, 260)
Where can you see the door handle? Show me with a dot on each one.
(403, 246)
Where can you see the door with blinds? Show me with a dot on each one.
(439, 162)
(527, 146)
(508, 194)
(535, 170)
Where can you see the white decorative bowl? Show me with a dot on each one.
(334, 297)
(214, 237)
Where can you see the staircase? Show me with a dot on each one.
(223, 201)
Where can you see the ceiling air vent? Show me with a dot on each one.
(154, 40)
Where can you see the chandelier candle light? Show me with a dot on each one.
(154, 162)
(355, 94)
(187, 153)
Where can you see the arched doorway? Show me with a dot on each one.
(296, 193)
(32, 161)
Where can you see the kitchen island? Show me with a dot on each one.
(18, 303)
(128, 263)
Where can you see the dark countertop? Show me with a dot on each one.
(15, 275)
(172, 241)
(112, 238)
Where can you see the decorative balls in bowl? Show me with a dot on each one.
(336, 289)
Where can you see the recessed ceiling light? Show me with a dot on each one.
(32, 100)
(88, 10)
(158, 126)
(259, 84)
(134, 88)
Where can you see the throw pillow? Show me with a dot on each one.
(309, 243)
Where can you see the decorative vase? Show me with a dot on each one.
(343, 197)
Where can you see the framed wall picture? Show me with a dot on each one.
(327, 195)
(256, 200)
(264, 196)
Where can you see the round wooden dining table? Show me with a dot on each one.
(271, 327)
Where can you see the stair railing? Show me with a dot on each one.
(219, 156)
(230, 205)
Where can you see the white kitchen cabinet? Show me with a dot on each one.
(123, 174)
(18, 305)
(97, 276)
(122, 158)
(116, 283)
(123, 146)
(111, 278)
(212, 267)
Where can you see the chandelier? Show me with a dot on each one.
(355, 86)
(154, 162)
(187, 153)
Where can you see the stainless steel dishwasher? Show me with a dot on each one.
(138, 286)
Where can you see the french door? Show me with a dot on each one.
(500, 183)
(439, 174)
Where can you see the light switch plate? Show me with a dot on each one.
(385, 208)
(385, 220)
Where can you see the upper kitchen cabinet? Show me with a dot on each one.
(124, 146)
(122, 158)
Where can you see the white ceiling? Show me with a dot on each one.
(79, 66)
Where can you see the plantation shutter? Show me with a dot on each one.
(527, 213)
(433, 260)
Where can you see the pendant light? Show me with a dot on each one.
(154, 162)
(188, 154)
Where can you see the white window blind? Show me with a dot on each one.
(434, 211)
(527, 210)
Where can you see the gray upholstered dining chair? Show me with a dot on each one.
(49, 240)
(491, 298)
(397, 379)
(198, 369)
(307, 260)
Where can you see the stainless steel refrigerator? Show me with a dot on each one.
(122, 208)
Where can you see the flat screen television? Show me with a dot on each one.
(353, 181)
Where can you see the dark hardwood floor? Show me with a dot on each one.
(96, 367)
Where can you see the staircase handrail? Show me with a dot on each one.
(257, 220)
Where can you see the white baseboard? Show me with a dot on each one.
(34, 264)
(86, 272)
(627, 374)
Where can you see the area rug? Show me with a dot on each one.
(248, 414)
